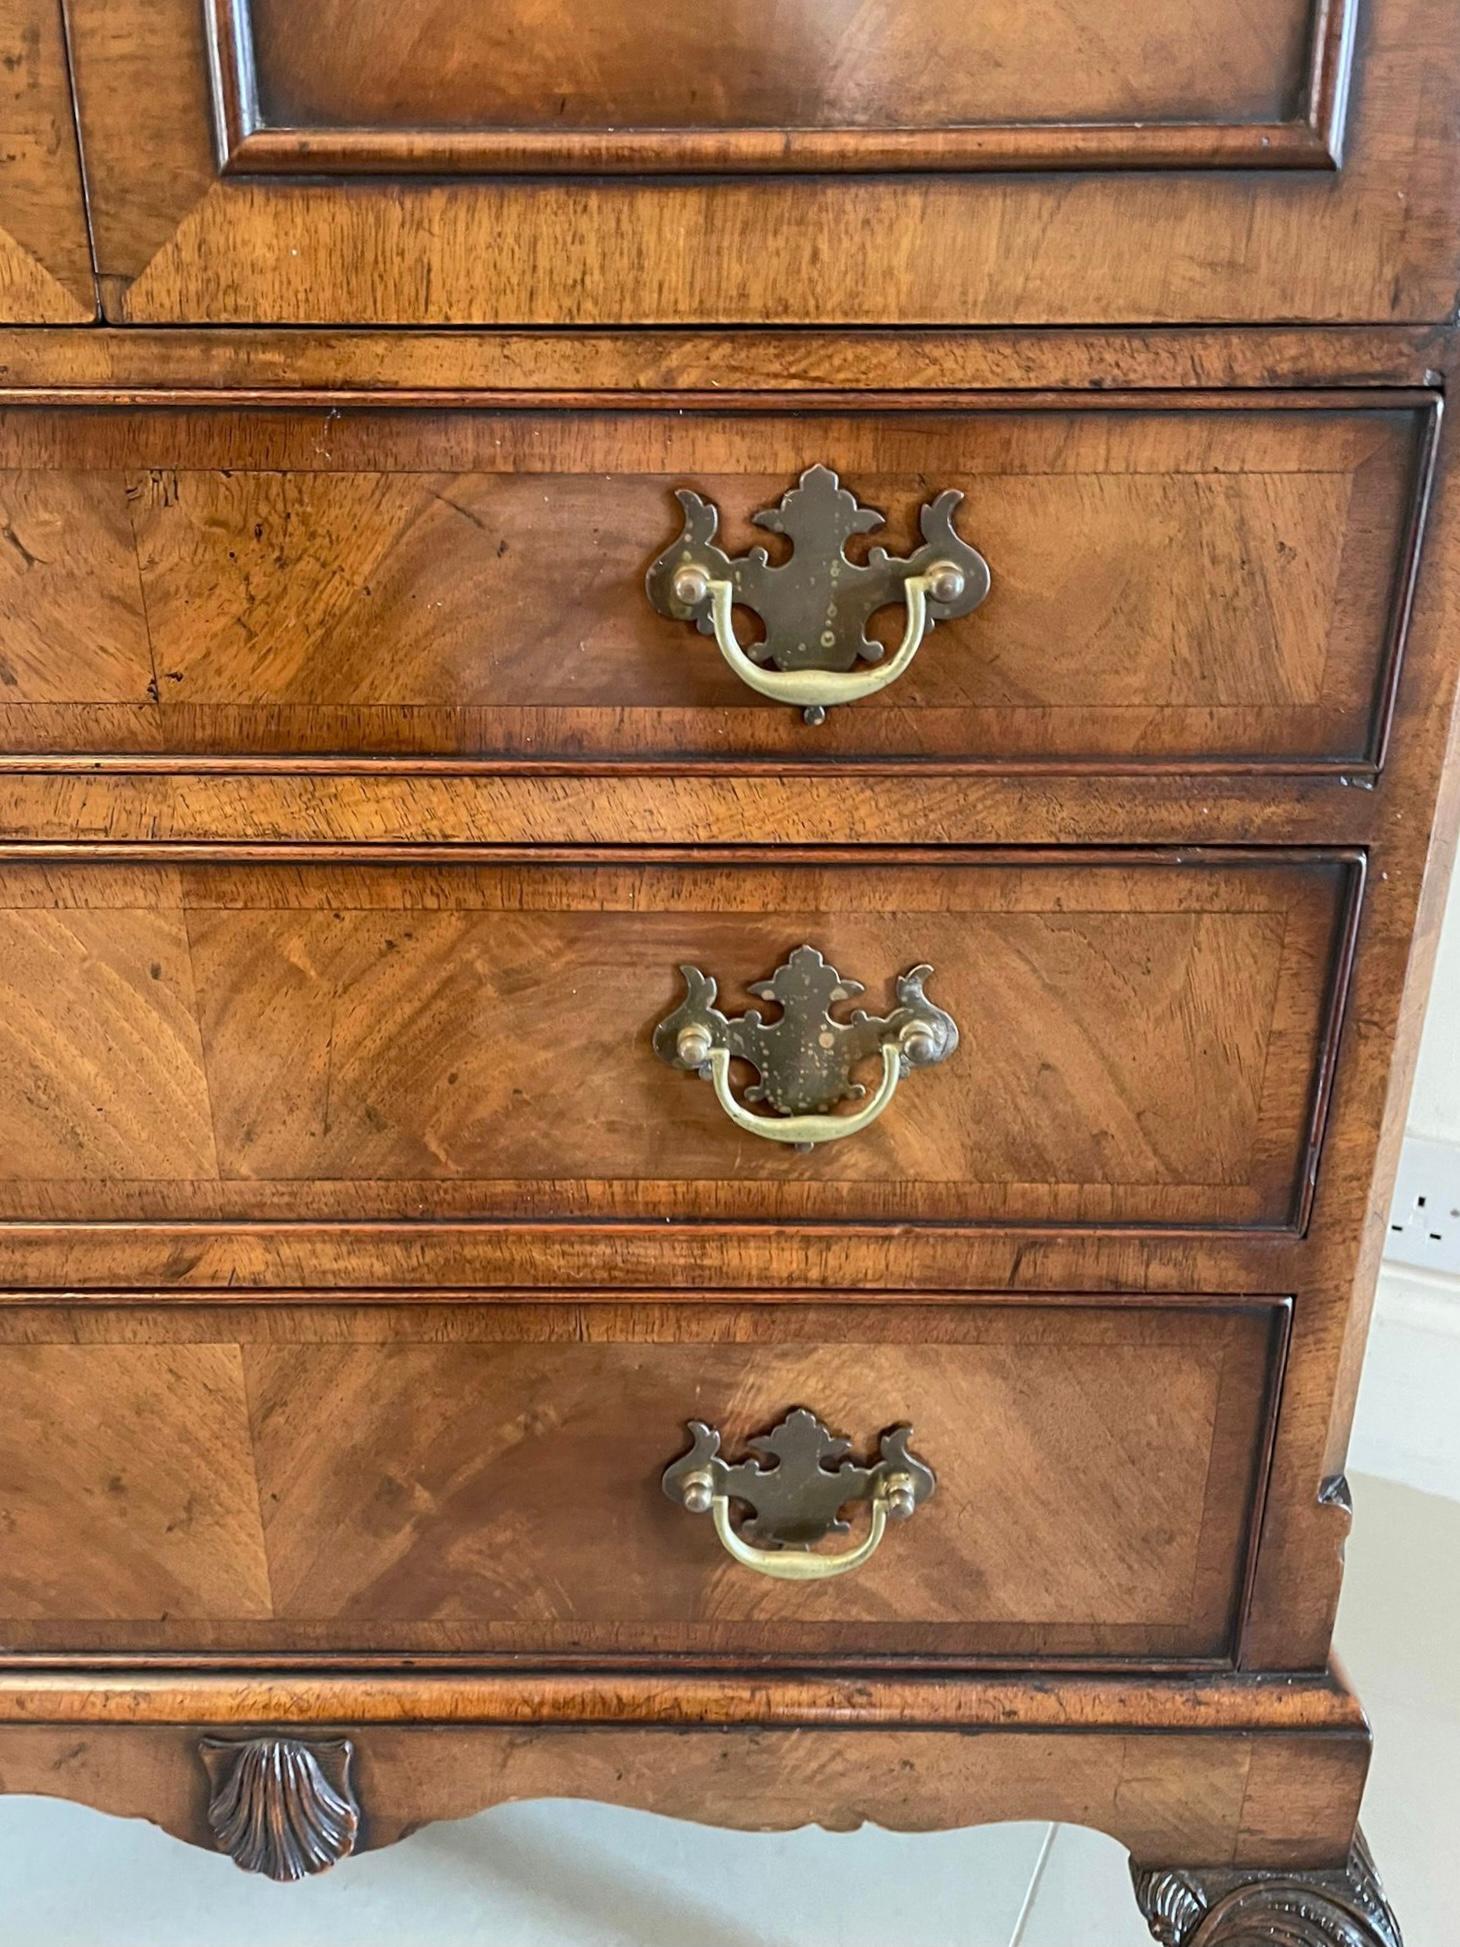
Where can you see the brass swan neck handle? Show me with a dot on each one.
(784, 1567)
(804, 1131)
(814, 691)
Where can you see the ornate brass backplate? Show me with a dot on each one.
(798, 1499)
(805, 1057)
(817, 605)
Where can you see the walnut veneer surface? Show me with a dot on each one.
(1187, 579)
(1149, 1043)
(519, 1436)
(364, 1261)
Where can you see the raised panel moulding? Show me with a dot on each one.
(1309, 138)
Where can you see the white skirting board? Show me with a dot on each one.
(1407, 1427)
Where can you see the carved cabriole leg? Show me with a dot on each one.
(1226, 1908)
(280, 1805)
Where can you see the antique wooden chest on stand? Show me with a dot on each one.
(724, 790)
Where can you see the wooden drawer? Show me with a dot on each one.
(478, 1478)
(1190, 581)
(355, 161)
(1146, 1038)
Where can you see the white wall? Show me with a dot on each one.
(1434, 1108)
(1407, 1427)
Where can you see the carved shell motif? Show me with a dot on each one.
(280, 1806)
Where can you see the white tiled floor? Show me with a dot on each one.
(595, 1876)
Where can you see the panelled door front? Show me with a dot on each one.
(853, 161)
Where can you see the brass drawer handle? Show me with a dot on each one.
(804, 1131)
(814, 691)
(798, 1501)
(816, 606)
(806, 1056)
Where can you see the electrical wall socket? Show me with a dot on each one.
(1424, 1223)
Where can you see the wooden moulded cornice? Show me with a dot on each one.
(141, 364)
(1308, 1702)
(199, 1259)
(449, 803)
(1262, 1771)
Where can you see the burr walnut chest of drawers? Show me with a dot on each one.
(723, 772)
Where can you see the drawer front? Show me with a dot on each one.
(1201, 582)
(488, 1478)
(354, 161)
(1144, 1040)
(45, 256)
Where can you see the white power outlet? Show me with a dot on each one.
(1424, 1224)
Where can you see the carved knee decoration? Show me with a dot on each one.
(1225, 1908)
